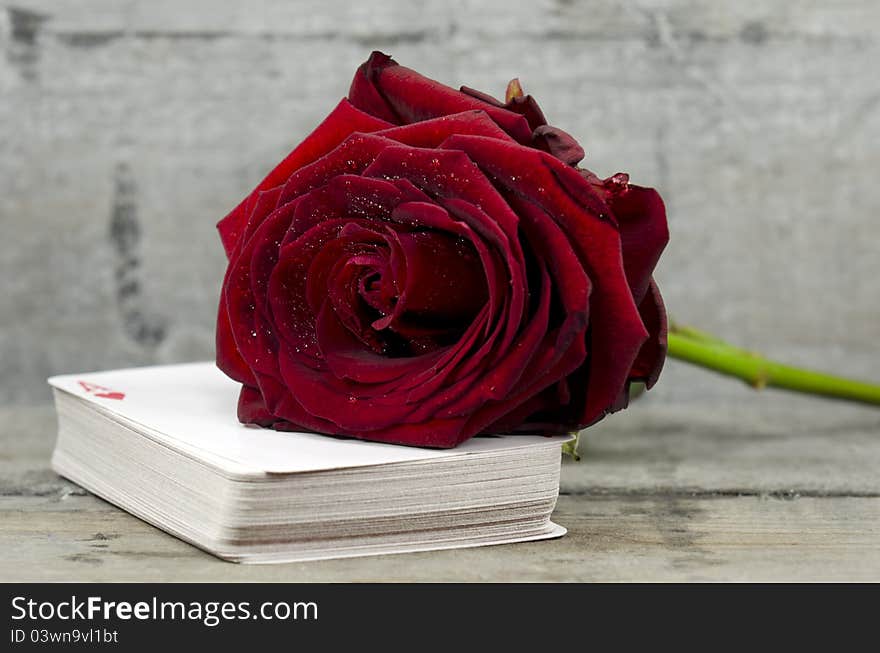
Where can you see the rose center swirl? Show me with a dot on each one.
(403, 292)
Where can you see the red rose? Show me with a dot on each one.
(429, 264)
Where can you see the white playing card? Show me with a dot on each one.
(164, 443)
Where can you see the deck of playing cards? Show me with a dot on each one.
(164, 444)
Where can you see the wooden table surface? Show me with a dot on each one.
(770, 489)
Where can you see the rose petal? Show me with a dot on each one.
(560, 144)
(332, 398)
(397, 94)
(252, 409)
(539, 177)
(435, 217)
(641, 217)
(249, 323)
(444, 280)
(497, 382)
(544, 137)
(263, 206)
(430, 133)
(294, 319)
(649, 361)
(290, 414)
(451, 175)
(351, 156)
(348, 359)
(343, 121)
(344, 196)
(229, 359)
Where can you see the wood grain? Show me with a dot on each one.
(662, 495)
(611, 538)
(127, 129)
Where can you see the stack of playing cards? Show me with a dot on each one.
(164, 444)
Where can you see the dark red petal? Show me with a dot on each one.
(293, 317)
(351, 156)
(348, 359)
(649, 362)
(563, 349)
(263, 204)
(281, 403)
(345, 196)
(320, 270)
(527, 107)
(251, 326)
(451, 175)
(263, 255)
(343, 121)
(366, 419)
(243, 308)
(366, 95)
(229, 359)
(392, 92)
(430, 133)
(469, 353)
(513, 420)
(497, 382)
(435, 217)
(435, 433)
(544, 137)
(560, 144)
(549, 242)
(482, 96)
(617, 329)
(641, 217)
(444, 279)
(252, 409)
(462, 188)
(555, 361)
(329, 397)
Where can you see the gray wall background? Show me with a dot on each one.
(128, 128)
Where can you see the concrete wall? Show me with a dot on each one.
(127, 129)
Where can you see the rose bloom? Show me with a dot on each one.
(430, 264)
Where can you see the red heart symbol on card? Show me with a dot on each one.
(101, 391)
(111, 395)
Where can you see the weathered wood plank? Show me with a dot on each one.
(760, 444)
(751, 20)
(167, 113)
(610, 539)
(656, 497)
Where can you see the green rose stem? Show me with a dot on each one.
(704, 350)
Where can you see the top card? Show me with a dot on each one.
(192, 408)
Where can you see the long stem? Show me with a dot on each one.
(704, 350)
